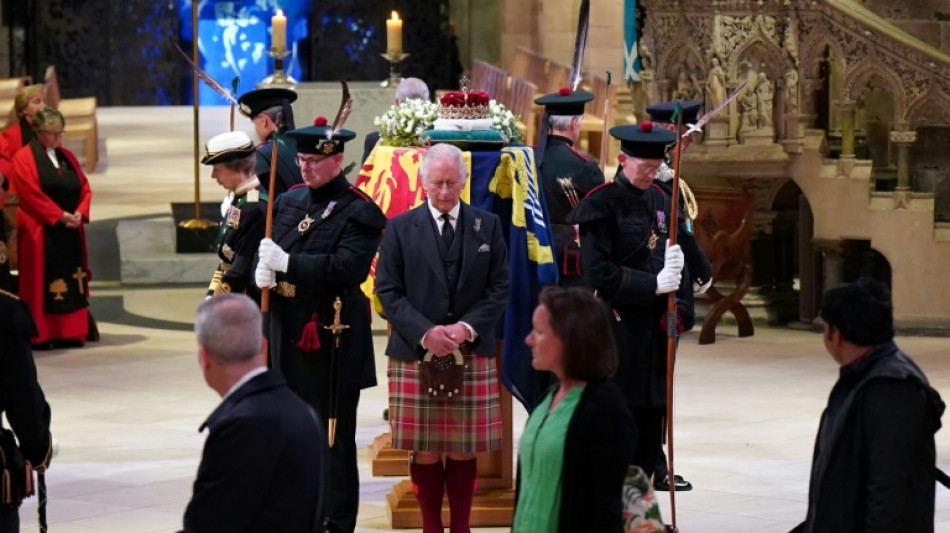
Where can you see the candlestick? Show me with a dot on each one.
(278, 30)
(394, 35)
(279, 78)
(395, 75)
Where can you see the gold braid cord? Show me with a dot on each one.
(689, 200)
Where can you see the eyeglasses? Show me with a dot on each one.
(53, 133)
(301, 162)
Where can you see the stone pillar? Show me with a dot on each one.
(903, 140)
(833, 253)
(846, 107)
(809, 265)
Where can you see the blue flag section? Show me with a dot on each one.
(631, 52)
(514, 194)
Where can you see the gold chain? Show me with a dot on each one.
(689, 200)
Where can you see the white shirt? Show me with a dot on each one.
(244, 379)
(453, 215)
(51, 153)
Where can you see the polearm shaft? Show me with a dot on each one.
(337, 330)
(41, 504)
(268, 230)
(671, 320)
(194, 98)
(603, 134)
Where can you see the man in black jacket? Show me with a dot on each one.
(21, 397)
(269, 109)
(874, 462)
(263, 462)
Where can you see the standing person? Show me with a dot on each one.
(442, 279)
(270, 112)
(576, 446)
(874, 462)
(232, 157)
(325, 237)
(54, 199)
(21, 397)
(567, 175)
(262, 468)
(408, 88)
(26, 103)
(624, 227)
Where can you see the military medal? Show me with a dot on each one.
(328, 210)
(304, 224)
(651, 243)
(661, 221)
(234, 217)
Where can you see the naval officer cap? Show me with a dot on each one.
(565, 102)
(253, 102)
(226, 147)
(663, 112)
(316, 139)
(643, 140)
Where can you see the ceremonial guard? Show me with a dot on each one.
(624, 227)
(270, 111)
(567, 175)
(232, 158)
(324, 239)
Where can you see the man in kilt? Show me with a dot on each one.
(324, 240)
(442, 278)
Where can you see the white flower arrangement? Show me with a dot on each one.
(404, 123)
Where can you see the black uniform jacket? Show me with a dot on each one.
(288, 173)
(873, 467)
(562, 161)
(262, 465)
(411, 279)
(700, 269)
(332, 235)
(617, 222)
(240, 238)
(21, 398)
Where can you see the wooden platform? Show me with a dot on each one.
(491, 507)
(385, 460)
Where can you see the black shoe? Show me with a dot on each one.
(681, 484)
(386, 414)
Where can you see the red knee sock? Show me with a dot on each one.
(460, 483)
(428, 483)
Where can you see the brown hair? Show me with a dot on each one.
(583, 324)
(244, 165)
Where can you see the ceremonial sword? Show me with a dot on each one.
(337, 330)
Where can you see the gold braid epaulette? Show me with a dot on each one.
(10, 294)
(689, 200)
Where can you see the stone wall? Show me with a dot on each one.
(928, 20)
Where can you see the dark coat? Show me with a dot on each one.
(562, 160)
(411, 280)
(238, 245)
(700, 269)
(328, 260)
(597, 449)
(874, 462)
(287, 170)
(369, 142)
(262, 465)
(616, 223)
(21, 398)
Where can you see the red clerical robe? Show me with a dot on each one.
(38, 210)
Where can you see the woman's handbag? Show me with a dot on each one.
(641, 512)
(17, 474)
(443, 376)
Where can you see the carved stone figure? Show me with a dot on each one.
(646, 58)
(748, 111)
(715, 85)
(684, 87)
(765, 94)
(791, 91)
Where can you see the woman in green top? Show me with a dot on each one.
(578, 442)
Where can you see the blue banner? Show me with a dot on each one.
(631, 52)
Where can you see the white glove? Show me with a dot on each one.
(668, 280)
(264, 276)
(273, 256)
(700, 289)
(226, 203)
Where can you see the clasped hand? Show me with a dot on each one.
(443, 340)
(71, 220)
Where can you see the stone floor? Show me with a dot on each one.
(126, 410)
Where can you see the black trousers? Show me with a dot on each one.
(9, 520)
(342, 486)
(649, 421)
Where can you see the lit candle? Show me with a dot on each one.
(278, 25)
(394, 35)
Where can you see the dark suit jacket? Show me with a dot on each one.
(263, 463)
(410, 279)
(368, 144)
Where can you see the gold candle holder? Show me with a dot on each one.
(395, 74)
(279, 78)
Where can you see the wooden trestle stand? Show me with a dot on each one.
(494, 495)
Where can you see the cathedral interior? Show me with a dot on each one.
(829, 160)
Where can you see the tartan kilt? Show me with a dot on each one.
(469, 423)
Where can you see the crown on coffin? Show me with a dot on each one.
(464, 104)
